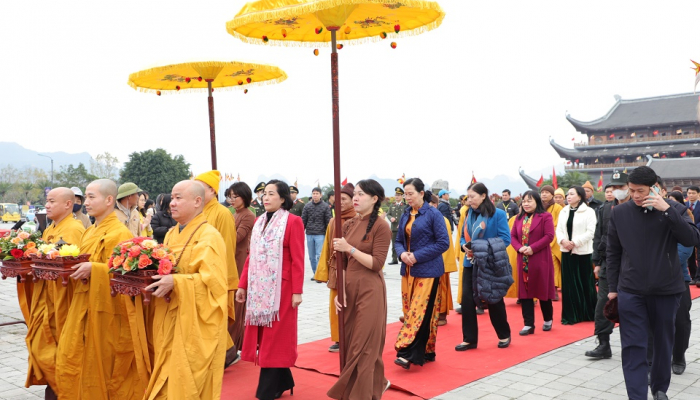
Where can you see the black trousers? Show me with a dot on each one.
(273, 381)
(638, 314)
(603, 326)
(470, 326)
(415, 352)
(393, 247)
(528, 307)
(693, 264)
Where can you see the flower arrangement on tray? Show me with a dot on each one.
(134, 262)
(54, 261)
(16, 247)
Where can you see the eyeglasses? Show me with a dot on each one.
(232, 197)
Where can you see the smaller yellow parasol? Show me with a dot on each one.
(205, 76)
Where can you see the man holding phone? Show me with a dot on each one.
(645, 275)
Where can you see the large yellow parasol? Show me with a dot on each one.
(205, 76)
(322, 22)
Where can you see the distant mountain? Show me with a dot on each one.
(21, 157)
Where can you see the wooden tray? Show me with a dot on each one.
(60, 267)
(16, 268)
(134, 283)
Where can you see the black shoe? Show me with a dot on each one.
(603, 350)
(659, 396)
(334, 348)
(320, 282)
(403, 364)
(291, 393)
(234, 361)
(393, 262)
(503, 345)
(458, 310)
(479, 310)
(546, 328)
(429, 357)
(527, 331)
(313, 280)
(678, 366)
(693, 281)
(518, 301)
(465, 347)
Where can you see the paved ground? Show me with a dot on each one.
(560, 374)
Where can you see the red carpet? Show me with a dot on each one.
(450, 371)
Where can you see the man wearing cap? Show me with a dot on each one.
(127, 213)
(508, 205)
(257, 203)
(51, 301)
(603, 327)
(95, 355)
(560, 197)
(591, 201)
(444, 207)
(394, 215)
(78, 207)
(221, 218)
(298, 206)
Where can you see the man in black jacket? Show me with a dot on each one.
(603, 326)
(444, 207)
(508, 205)
(645, 275)
(316, 214)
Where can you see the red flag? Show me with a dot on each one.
(554, 179)
(656, 133)
(541, 181)
(473, 179)
(402, 179)
(345, 182)
(617, 159)
(600, 182)
(683, 154)
(573, 139)
(576, 161)
(612, 136)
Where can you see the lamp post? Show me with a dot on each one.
(51, 167)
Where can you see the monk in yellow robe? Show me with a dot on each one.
(450, 261)
(50, 299)
(547, 192)
(513, 259)
(458, 253)
(95, 356)
(221, 218)
(190, 332)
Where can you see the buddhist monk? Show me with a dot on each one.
(95, 356)
(190, 334)
(221, 218)
(449, 258)
(50, 301)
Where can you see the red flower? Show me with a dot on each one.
(16, 253)
(135, 251)
(138, 240)
(165, 267)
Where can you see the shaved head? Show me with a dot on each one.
(187, 201)
(59, 203)
(99, 198)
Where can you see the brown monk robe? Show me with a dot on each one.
(245, 220)
(364, 309)
(51, 300)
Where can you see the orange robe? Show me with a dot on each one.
(555, 209)
(458, 249)
(190, 335)
(50, 303)
(450, 262)
(95, 356)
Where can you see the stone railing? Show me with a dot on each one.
(601, 165)
(657, 138)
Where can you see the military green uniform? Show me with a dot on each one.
(257, 206)
(297, 208)
(395, 211)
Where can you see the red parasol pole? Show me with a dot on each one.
(212, 133)
(339, 261)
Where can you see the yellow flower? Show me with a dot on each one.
(46, 248)
(69, 250)
(149, 244)
(16, 240)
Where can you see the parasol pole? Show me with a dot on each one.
(212, 133)
(340, 262)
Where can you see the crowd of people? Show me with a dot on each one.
(241, 275)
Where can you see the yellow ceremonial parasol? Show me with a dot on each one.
(205, 76)
(321, 22)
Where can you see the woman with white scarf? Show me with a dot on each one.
(271, 286)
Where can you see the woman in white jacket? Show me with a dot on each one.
(575, 234)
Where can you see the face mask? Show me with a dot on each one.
(621, 194)
(77, 207)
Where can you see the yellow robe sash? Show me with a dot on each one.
(458, 249)
(95, 356)
(50, 303)
(189, 333)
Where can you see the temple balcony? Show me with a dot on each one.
(598, 166)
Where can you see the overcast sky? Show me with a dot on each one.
(483, 92)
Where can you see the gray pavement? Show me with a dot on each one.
(564, 373)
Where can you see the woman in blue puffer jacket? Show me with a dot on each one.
(420, 241)
(484, 221)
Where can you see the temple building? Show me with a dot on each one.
(661, 132)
